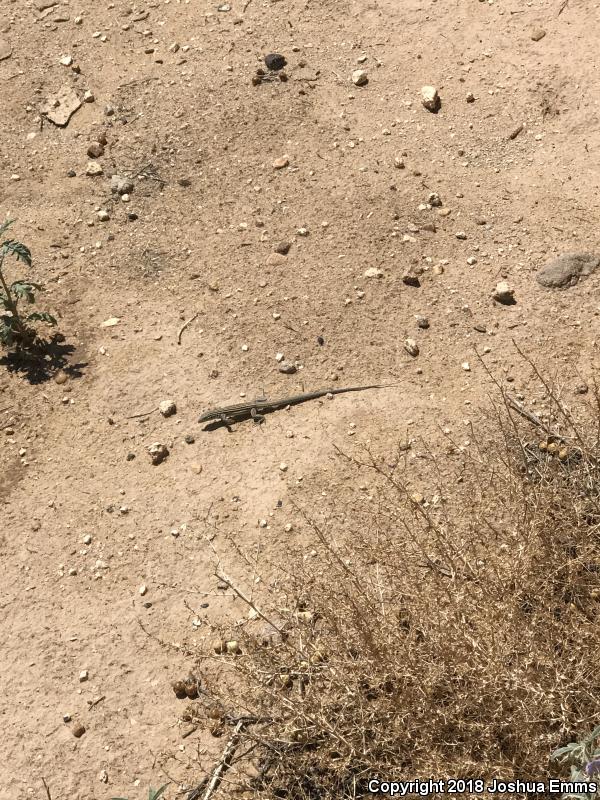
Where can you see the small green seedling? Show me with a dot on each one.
(15, 328)
(153, 794)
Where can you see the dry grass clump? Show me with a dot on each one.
(451, 632)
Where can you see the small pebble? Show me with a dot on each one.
(93, 169)
(537, 34)
(283, 248)
(275, 61)
(281, 162)
(143, 589)
(83, 676)
(430, 98)
(409, 278)
(78, 730)
(373, 272)
(360, 77)
(95, 150)
(422, 322)
(167, 408)
(504, 294)
(158, 452)
(411, 347)
(287, 368)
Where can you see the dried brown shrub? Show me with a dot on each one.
(451, 634)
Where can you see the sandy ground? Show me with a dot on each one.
(200, 141)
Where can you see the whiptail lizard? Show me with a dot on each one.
(256, 409)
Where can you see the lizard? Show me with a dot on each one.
(256, 409)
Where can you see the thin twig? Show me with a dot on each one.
(144, 414)
(222, 577)
(534, 419)
(563, 5)
(225, 760)
(246, 4)
(48, 795)
(184, 326)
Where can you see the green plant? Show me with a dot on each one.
(15, 328)
(153, 794)
(584, 759)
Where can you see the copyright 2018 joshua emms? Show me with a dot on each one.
(478, 786)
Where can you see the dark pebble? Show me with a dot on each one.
(320, 340)
(410, 279)
(132, 216)
(275, 61)
(184, 182)
(283, 248)
(95, 150)
(130, 456)
(71, 174)
(189, 439)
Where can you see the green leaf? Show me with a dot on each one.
(154, 794)
(41, 316)
(6, 331)
(25, 289)
(4, 226)
(17, 249)
(562, 752)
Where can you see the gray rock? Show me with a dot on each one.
(287, 368)
(121, 185)
(567, 269)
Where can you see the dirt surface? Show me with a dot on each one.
(199, 141)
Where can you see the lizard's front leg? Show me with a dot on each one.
(256, 417)
(227, 421)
